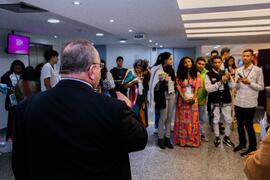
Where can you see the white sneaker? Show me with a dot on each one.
(7, 148)
(156, 131)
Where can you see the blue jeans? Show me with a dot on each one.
(157, 116)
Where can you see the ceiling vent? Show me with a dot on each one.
(22, 8)
(139, 36)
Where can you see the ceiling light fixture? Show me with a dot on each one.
(54, 21)
(123, 41)
(161, 46)
(237, 29)
(76, 3)
(99, 34)
(195, 4)
(228, 23)
(130, 30)
(111, 20)
(55, 37)
(228, 34)
(156, 44)
(227, 15)
(150, 40)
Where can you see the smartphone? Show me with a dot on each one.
(240, 75)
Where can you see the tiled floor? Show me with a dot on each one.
(204, 163)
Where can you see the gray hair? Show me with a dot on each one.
(77, 56)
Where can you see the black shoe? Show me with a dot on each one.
(247, 152)
(217, 141)
(227, 141)
(161, 143)
(239, 147)
(168, 143)
(203, 138)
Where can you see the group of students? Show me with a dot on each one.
(187, 90)
(217, 85)
(21, 82)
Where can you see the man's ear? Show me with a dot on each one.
(91, 73)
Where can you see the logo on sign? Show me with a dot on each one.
(19, 42)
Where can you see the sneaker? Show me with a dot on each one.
(227, 141)
(155, 131)
(239, 147)
(160, 144)
(247, 152)
(217, 141)
(168, 143)
(204, 139)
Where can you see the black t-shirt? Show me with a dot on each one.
(118, 75)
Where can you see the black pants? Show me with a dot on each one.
(244, 118)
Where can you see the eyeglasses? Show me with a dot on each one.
(101, 65)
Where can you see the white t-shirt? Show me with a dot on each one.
(48, 72)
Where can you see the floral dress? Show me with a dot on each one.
(186, 127)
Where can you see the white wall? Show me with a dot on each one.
(129, 52)
(6, 60)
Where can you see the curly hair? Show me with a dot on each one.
(142, 63)
(182, 72)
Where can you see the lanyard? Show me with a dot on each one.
(246, 76)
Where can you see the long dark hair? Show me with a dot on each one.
(104, 70)
(16, 63)
(226, 64)
(182, 72)
(162, 58)
(28, 74)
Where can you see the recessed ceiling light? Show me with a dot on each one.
(228, 23)
(76, 3)
(93, 44)
(150, 40)
(99, 34)
(227, 15)
(236, 29)
(123, 41)
(54, 21)
(156, 44)
(55, 36)
(228, 34)
(111, 20)
(130, 30)
(161, 46)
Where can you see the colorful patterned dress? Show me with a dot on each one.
(186, 126)
(138, 102)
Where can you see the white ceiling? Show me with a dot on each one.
(160, 19)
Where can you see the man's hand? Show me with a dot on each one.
(246, 81)
(239, 80)
(225, 78)
(122, 97)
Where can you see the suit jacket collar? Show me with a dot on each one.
(73, 84)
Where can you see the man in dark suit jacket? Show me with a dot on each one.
(71, 131)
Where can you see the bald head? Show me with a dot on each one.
(77, 56)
